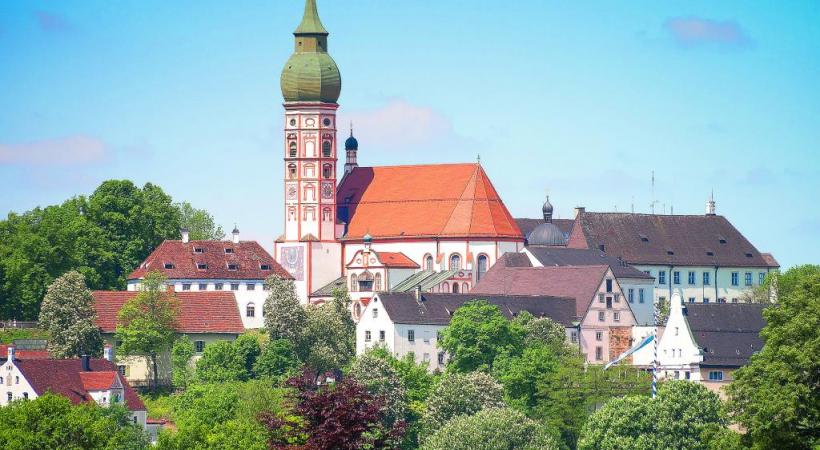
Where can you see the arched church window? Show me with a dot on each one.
(483, 263)
(445, 288)
(455, 288)
(455, 261)
(327, 171)
(354, 283)
(428, 262)
(326, 151)
(292, 149)
(291, 170)
(377, 282)
(465, 288)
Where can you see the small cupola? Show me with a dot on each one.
(235, 234)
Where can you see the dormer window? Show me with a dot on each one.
(644, 238)
(233, 266)
(710, 253)
(228, 250)
(749, 255)
(264, 266)
(670, 252)
(202, 266)
(169, 265)
(199, 250)
(722, 239)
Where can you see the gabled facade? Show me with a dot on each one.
(410, 323)
(239, 267)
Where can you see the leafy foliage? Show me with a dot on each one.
(51, 421)
(776, 397)
(461, 394)
(677, 418)
(181, 354)
(477, 334)
(285, 318)
(278, 359)
(68, 315)
(381, 380)
(493, 429)
(221, 362)
(200, 223)
(146, 324)
(340, 416)
(248, 348)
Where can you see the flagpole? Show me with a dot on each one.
(655, 313)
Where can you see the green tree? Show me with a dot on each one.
(221, 362)
(68, 315)
(381, 380)
(200, 223)
(542, 330)
(278, 360)
(52, 422)
(331, 334)
(461, 394)
(522, 374)
(248, 348)
(493, 429)
(181, 354)
(477, 334)
(677, 418)
(776, 397)
(285, 317)
(146, 324)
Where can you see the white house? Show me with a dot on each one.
(708, 342)
(80, 380)
(409, 323)
(237, 266)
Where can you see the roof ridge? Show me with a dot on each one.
(414, 165)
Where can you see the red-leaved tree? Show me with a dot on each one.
(341, 416)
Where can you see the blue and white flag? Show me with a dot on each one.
(632, 350)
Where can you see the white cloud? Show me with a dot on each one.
(72, 150)
(697, 31)
(397, 124)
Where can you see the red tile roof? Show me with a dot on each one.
(64, 377)
(578, 282)
(440, 200)
(23, 354)
(248, 256)
(397, 259)
(98, 381)
(200, 311)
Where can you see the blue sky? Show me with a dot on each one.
(581, 99)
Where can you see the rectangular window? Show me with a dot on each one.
(251, 286)
(601, 316)
(630, 293)
(411, 335)
(234, 286)
(375, 312)
(121, 369)
(748, 278)
(202, 266)
(734, 300)
(573, 336)
(640, 295)
(691, 277)
(691, 299)
(687, 375)
(232, 267)
(25, 395)
(367, 336)
(426, 357)
(601, 298)
(203, 286)
(715, 375)
(264, 266)
(599, 353)
(617, 298)
(199, 346)
(609, 285)
(662, 277)
(735, 278)
(441, 358)
(705, 299)
(706, 280)
(599, 336)
(616, 316)
(676, 277)
(186, 286)
(381, 335)
(8, 396)
(217, 286)
(426, 337)
(761, 278)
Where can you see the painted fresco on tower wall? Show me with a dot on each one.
(293, 260)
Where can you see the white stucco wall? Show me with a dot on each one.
(677, 349)
(14, 383)
(718, 287)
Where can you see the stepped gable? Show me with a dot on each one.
(199, 311)
(183, 259)
(704, 240)
(437, 200)
(67, 378)
(578, 282)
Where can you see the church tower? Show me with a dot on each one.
(311, 85)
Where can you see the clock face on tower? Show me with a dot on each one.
(327, 190)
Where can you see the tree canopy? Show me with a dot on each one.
(458, 394)
(200, 223)
(493, 429)
(68, 315)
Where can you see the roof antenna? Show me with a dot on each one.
(351, 128)
(653, 202)
(632, 205)
(478, 158)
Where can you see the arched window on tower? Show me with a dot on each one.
(354, 283)
(326, 216)
(326, 149)
(483, 264)
(291, 170)
(377, 282)
(455, 261)
(292, 149)
(428, 262)
(327, 171)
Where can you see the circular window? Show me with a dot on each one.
(293, 122)
(327, 122)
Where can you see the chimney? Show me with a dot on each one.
(108, 352)
(580, 210)
(86, 361)
(418, 294)
(11, 352)
(235, 234)
(185, 235)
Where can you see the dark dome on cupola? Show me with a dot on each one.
(351, 143)
(547, 233)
